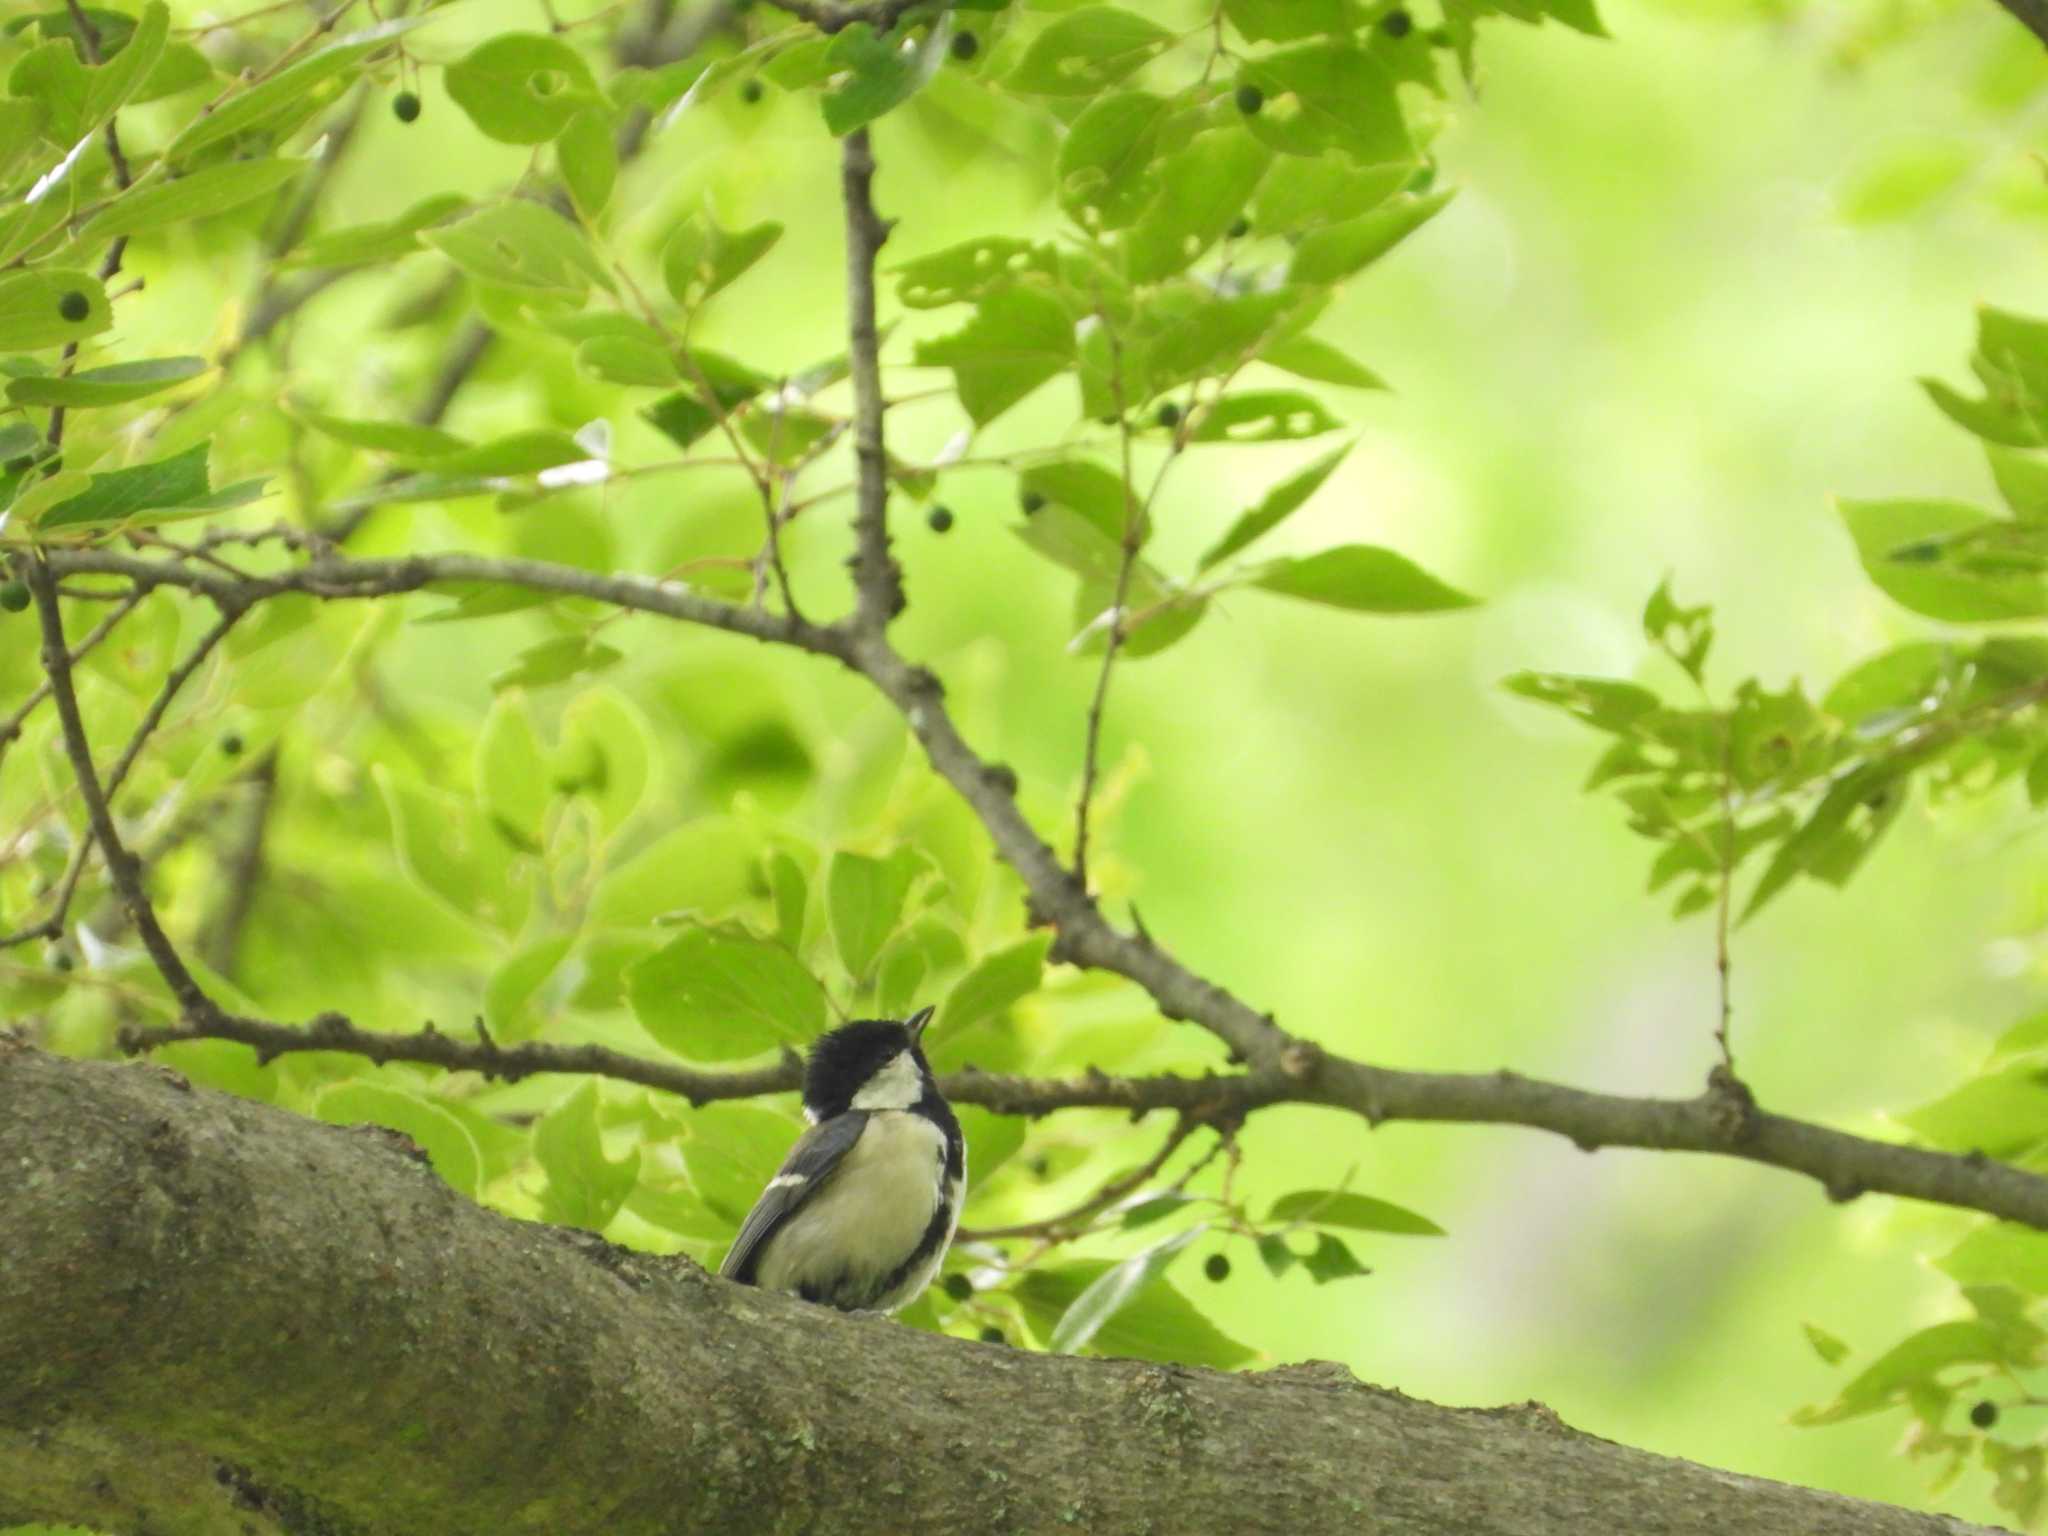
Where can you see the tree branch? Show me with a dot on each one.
(1282, 1068)
(875, 574)
(2031, 14)
(398, 1359)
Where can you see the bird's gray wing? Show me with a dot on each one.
(809, 1164)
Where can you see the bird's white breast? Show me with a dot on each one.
(871, 1212)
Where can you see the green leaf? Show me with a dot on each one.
(2000, 1114)
(791, 893)
(556, 661)
(991, 1139)
(721, 994)
(864, 900)
(366, 244)
(32, 314)
(200, 195)
(732, 1152)
(511, 772)
(2022, 480)
(589, 159)
(1263, 416)
(1308, 358)
(1831, 1350)
(1203, 191)
(1323, 96)
(997, 981)
(1286, 21)
(1017, 340)
(444, 845)
(445, 1140)
(173, 487)
(1300, 194)
(1097, 494)
(521, 245)
(1276, 1255)
(962, 273)
(1362, 1213)
(521, 87)
(703, 867)
(2000, 1253)
(1159, 1323)
(701, 258)
(1336, 251)
(1086, 51)
(509, 993)
(288, 94)
(1157, 1208)
(1106, 159)
(1364, 578)
(1276, 507)
(606, 755)
(522, 453)
(122, 74)
(1113, 1290)
(115, 384)
(52, 77)
(1332, 1260)
(1916, 1360)
(1942, 588)
(585, 1188)
(882, 72)
(401, 438)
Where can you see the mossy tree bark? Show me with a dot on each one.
(216, 1317)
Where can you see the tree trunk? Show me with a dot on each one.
(216, 1316)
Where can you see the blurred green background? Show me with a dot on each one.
(1663, 322)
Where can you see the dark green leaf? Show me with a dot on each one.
(203, 193)
(1332, 1260)
(556, 661)
(173, 487)
(1016, 341)
(1286, 21)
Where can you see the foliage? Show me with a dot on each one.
(495, 805)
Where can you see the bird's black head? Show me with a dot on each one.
(868, 1064)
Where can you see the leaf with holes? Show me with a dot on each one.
(522, 87)
(1017, 341)
(880, 72)
(1086, 51)
(1324, 96)
(1264, 416)
(522, 245)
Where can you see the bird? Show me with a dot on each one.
(862, 1210)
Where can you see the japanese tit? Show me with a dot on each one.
(860, 1213)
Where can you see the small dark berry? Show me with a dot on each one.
(752, 91)
(231, 745)
(940, 519)
(965, 46)
(1984, 1415)
(14, 596)
(62, 961)
(74, 306)
(1216, 1267)
(1238, 230)
(1031, 502)
(1249, 99)
(405, 107)
(1169, 414)
(1397, 23)
(959, 1287)
(994, 1336)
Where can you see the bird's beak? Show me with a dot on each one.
(916, 1023)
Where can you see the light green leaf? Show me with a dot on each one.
(1276, 507)
(522, 245)
(1113, 1290)
(364, 244)
(1105, 161)
(1831, 1350)
(1264, 416)
(509, 994)
(400, 438)
(1017, 340)
(719, 994)
(864, 900)
(701, 257)
(290, 94)
(1364, 578)
(1324, 96)
(998, 980)
(1203, 191)
(585, 1188)
(1086, 51)
(115, 384)
(702, 867)
(118, 78)
(607, 755)
(511, 772)
(1903, 547)
(556, 661)
(200, 195)
(1159, 1323)
(1308, 357)
(589, 160)
(173, 487)
(521, 87)
(1341, 1208)
(1286, 21)
(1336, 251)
(447, 1143)
(32, 308)
(962, 273)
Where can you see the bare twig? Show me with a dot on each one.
(1068, 1221)
(221, 940)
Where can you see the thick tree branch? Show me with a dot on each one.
(398, 1359)
(2031, 14)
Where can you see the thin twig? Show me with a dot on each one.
(1108, 1195)
(122, 868)
(878, 581)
